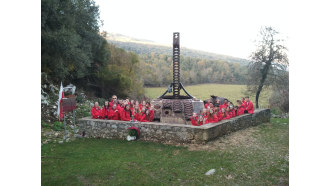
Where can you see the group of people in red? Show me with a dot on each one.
(213, 113)
(125, 110)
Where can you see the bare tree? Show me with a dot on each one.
(268, 63)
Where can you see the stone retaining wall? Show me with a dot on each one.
(164, 132)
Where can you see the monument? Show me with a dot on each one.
(176, 108)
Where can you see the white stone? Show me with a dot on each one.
(210, 172)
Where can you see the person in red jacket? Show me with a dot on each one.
(96, 111)
(207, 103)
(249, 105)
(204, 113)
(113, 100)
(126, 114)
(148, 116)
(240, 109)
(137, 113)
(243, 102)
(232, 111)
(224, 105)
(201, 120)
(105, 110)
(194, 119)
(212, 117)
(221, 115)
(227, 114)
(143, 104)
(114, 113)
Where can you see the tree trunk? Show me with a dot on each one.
(262, 81)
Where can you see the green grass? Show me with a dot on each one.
(203, 91)
(259, 156)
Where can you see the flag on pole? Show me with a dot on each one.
(59, 106)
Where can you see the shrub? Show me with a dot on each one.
(44, 125)
(58, 126)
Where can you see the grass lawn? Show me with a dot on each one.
(254, 156)
(203, 91)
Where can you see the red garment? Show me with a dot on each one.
(96, 112)
(125, 115)
(249, 107)
(206, 105)
(227, 116)
(244, 105)
(232, 113)
(194, 120)
(205, 116)
(113, 115)
(111, 103)
(145, 119)
(213, 119)
(137, 116)
(240, 110)
(220, 116)
(223, 106)
(105, 112)
(199, 123)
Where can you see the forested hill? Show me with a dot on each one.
(196, 67)
(143, 46)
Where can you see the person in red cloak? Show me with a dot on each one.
(243, 103)
(105, 110)
(114, 113)
(194, 119)
(201, 120)
(227, 114)
(207, 103)
(204, 113)
(224, 105)
(137, 113)
(249, 105)
(126, 114)
(96, 111)
(147, 115)
(240, 109)
(113, 100)
(212, 117)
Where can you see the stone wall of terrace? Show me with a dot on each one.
(165, 132)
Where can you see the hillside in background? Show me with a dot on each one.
(197, 67)
(143, 46)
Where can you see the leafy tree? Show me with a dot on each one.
(71, 46)
(268, 63)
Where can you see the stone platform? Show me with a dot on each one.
(166, 132)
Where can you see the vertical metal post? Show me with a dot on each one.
(64, 124)
(74, 121)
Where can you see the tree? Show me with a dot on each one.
(268, 62)
(71, 46)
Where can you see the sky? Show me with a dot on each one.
(223, 27)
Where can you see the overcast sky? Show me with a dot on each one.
(224, 27)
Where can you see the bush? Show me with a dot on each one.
(280, 99)
(58, 126)
(44, 125)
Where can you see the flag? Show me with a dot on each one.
(59, 106)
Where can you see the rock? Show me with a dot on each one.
(56, 134)
(210, 172)
(77, 136)
(60, 142)
(67, 140)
